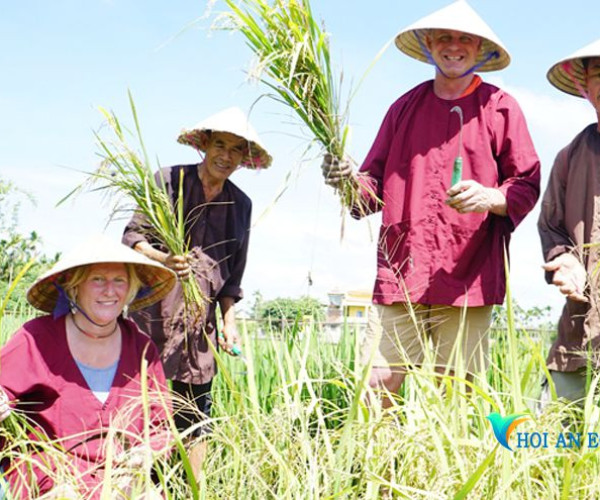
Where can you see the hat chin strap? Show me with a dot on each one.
(491, 55)
(64, 304)
(568, 67)
(74, 305)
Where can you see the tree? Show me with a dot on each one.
(257, 304)
(284, 311)
(538, 318)
(16, 249)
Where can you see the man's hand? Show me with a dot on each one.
(470, 196)
(179, 264)
(569, 276)
(228, 338)
(335, 171)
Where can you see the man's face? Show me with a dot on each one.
(593, 82)
(454, 52)
(223, 154)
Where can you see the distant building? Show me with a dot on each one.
(346, 308)
(356, 304)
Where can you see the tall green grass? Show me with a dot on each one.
(313, 437)
(291, 422)
(292, 57)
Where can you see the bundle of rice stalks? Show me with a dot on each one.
(293, 59)
(130, 181)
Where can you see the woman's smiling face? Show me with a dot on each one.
(103, 293)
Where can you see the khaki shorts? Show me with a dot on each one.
(398, 337)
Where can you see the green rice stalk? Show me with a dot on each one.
(476, 476)
(147, 420)
(293, 59)
(566, 493)
(251, 375)
(129, 179)
(109, 472)
(511, 334)
(185, 462)
(13, 286)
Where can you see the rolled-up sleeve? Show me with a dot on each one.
(552, 229)
(237, 265)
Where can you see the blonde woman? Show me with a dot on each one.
(76, 372)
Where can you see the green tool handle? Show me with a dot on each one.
(457, 170)
(235, 350)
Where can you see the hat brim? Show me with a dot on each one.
(408, 42)
(562, 74)
(567, 74)
(256, 157)
(458, 16)
(157, 280)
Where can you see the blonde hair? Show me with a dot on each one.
(77, 275)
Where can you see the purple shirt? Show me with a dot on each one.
(218, 234)
(427, 252)
(38, 370)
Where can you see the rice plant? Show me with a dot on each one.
(128, 177)
(293, 59)
(435, 442)
(291, 421)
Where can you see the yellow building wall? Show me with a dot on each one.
(356, 311)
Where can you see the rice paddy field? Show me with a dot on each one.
(294, 417)
(291, 421)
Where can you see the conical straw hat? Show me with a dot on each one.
(560, 74)
(234, 121)
(157, 279)
(458, 16)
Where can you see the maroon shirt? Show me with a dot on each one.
(38, 370)
(428, 253)
(218, 235)
(570, 222)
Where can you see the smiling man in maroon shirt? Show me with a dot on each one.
(441, 246)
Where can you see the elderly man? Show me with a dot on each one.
(569, 227)
(217, 223)
(454, 171)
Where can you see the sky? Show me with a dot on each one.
(62, 59)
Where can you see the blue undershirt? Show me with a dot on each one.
(99, 379)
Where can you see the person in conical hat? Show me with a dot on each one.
(233, 121)
(78, 369)
(218, 216)
(415, 40)
(453, 170)
(568, 227)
